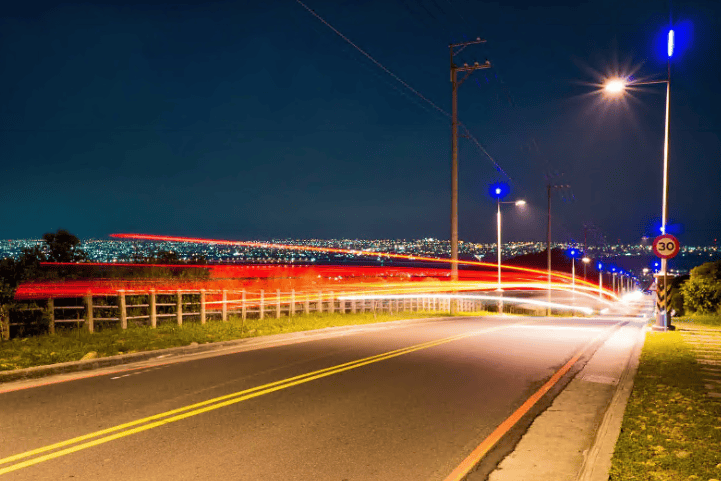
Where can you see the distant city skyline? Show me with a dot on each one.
(629, 256)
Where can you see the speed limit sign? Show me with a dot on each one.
(666, 246)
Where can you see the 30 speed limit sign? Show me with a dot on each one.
(666, 246)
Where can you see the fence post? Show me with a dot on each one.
(224, 305)
(352, 306)
(5, 322)
(179, 308)
(244, 308)
(122, 307)
(277, 303)
(151, 306)
(331, 304)
(202, 306)
(51, 315)
(292, 303)
(306, 305)
(262, 304)
(320, 301)
(89, 312)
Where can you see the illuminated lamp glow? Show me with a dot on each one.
(670, 45)
(615, 86)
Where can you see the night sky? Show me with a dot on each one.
(254, 120)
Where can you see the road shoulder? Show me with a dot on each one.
(574, 437)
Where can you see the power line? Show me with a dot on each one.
(397, 78)
(380, 65)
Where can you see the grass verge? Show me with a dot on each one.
(72, 345)
(708, 320)
(671, 429)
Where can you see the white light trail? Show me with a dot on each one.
(513, 300)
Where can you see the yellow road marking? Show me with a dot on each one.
(216, 403)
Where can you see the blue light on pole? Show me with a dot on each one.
(599, 266)
(498, 190)
(672, 42)
(574, 253)
(656, 265)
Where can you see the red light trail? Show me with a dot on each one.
(305, 280)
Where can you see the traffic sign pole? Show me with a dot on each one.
(666, 247)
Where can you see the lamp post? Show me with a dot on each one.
(499, 202)
(498, 191)
(573, 253)
(618, 86)
(599, 266)
(585, 260)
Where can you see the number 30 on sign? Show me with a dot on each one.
(666, 246)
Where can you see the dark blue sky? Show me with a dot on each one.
(247, 120)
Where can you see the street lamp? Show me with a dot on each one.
(617, 86)
(585, 260)
(573, 253)
(498, 191)
(599, 266)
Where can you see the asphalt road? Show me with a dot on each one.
(413, 414)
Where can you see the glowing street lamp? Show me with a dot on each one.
(585, 261)
(498, 191)
(599, 267)
(573, 253)
(616, 87)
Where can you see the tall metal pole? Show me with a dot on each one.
(548, 252)
(498, 220)
(662, 322)
(500, 289)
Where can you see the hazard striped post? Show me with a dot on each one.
(663, 294)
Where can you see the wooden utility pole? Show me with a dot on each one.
(455, 83)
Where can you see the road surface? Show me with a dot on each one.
(408, 402)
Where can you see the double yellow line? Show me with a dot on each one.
(116, 432)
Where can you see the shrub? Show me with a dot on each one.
(701, 294)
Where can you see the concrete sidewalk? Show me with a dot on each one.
(575, 437)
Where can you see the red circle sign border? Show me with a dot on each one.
(662, 237)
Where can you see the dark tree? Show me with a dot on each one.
(63, 247)
(167, 257)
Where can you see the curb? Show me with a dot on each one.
(194, 348)
(597, 464)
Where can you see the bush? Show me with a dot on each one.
(702, 292)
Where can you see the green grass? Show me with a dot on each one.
(71, 345)
(709, 320)
(671, 430)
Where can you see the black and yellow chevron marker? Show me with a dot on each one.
(661, 295)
